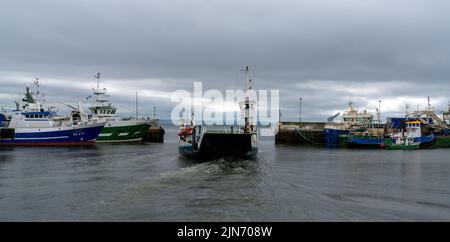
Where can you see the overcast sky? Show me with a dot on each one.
(327, 52)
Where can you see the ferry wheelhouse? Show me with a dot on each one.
(196, 141)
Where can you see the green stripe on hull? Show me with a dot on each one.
(403, 147)
(389, 145)
(442, 142)
(130, 133)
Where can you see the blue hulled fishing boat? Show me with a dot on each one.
(352, 120)
(31, 124)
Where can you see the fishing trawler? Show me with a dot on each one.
(31, 124)
(196, 141)
(433, 128)
(116, 129)
(367, 136)
(410, 137)
(353, 120)
(443, 135)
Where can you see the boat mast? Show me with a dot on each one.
(406, 110)
(137, 106)
(379, 116)
(97, 93)
(248, 86)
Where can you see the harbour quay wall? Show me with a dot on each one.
(301, 132)
(154, 135)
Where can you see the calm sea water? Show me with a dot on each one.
(151, 182)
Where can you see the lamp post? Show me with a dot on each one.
(300, 110)
(379, 114)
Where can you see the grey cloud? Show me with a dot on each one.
(401, 46)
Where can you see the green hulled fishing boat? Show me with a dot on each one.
(407, 138)
(443, 136)
(123, 131)
(116, 129)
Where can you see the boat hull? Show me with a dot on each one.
(442, 141)
(390, 145)
(426, 141)
(215, 145)
(332, 136)
(365, 142)
(403, 147)
(122, 132)
(61, 136)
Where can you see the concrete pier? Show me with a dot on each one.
(154, 135)
(301, 133)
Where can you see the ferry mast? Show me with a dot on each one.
(248, 105)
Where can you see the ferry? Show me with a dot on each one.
(116, 129)
(31, 124)
(196, 141)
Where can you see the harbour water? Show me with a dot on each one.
(151, 182)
